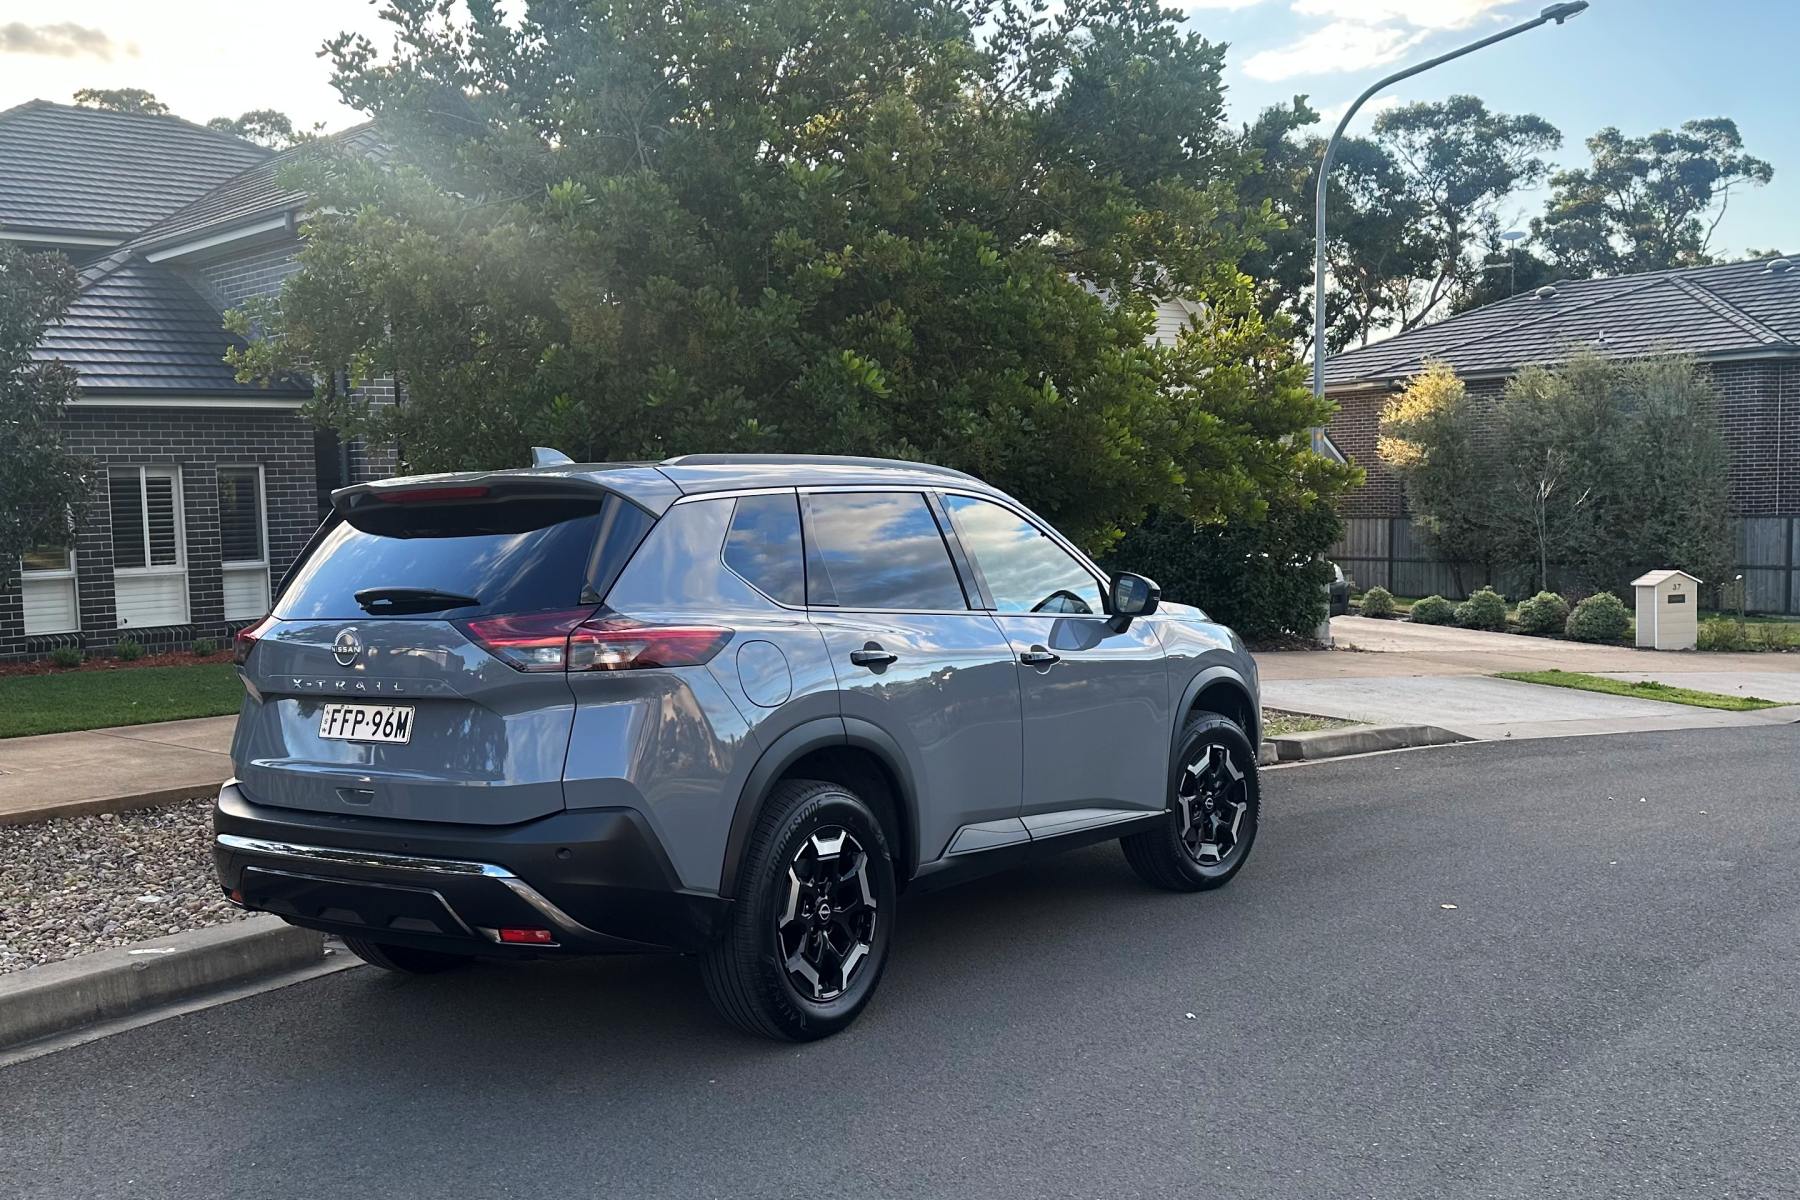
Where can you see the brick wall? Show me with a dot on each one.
(198, 441)
(231, 281)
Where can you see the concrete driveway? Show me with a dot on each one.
(1395, 672)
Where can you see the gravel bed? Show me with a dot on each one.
(86, 883)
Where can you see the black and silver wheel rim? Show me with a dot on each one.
(1212, 807)
(825, 927)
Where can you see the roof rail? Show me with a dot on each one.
(777, 460)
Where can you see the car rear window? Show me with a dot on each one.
(516, 556)
(763, 546)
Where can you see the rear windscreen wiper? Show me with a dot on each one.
(383, 600)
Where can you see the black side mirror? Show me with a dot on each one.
(1133, 596)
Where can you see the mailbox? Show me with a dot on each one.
(1668, 605)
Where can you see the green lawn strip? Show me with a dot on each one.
(1644, 690)
(1278, 724)
(31, 704)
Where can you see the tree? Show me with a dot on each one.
(1431, 439)
(1460, 162)
(40, 481)
(264, 126)
(1649, 203)
(124, 100)
(1507, 269)
(911, 229)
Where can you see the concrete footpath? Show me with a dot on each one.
(105, 770)
(1394, 672)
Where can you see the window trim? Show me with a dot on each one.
(177, 498)
(1103, 581)
(262, 517)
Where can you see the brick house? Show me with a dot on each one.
(1741, 320)
(204, 488)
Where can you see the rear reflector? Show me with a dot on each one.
(527, 937)
(432, 495)
(576, 640)
(245, 640)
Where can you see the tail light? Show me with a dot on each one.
(578, 640)
(247, 637)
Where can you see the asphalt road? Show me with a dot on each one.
(1609, 1010)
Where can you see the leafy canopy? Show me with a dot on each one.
(124, 100)
(924, 228)
(40, 482)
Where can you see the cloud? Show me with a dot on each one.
(1338, 47)
(1420, 14)
(1331, 114)
(1193, 5)
(66, 40)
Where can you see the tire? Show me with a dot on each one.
(1226, 803)
(815, 845)
(404, 960)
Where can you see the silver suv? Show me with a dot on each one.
(726, 705)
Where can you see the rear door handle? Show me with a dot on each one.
(873, 656)
(1037, 656)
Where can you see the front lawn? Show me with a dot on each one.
(98, 699)
(1647, 689)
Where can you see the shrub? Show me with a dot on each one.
(1774, 635)
(128, 649)
(1723, 633)
(1377, 602)
(1602, 617)
(1484, 609)
(1262, 578)
(1545, 612)
(1434, 610)
(205, 647)
(66, 657)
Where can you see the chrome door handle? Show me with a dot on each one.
(1037, 656)
(873, 656)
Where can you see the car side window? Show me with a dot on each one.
(877, 550)
(1024, 570)
(763, 546)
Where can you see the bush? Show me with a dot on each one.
(66, 657)
(1262, 578)
(1602, 617)
(205, 647)
(1484, 609)
(128, 649)
(1377, 602)
(1434, 610)
(1545, 612)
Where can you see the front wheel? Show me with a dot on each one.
(1213, 811)
(808, 937)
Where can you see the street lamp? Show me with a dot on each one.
(1557, 13)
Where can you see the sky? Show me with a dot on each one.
(1641, 65)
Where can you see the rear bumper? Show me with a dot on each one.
(597, 879)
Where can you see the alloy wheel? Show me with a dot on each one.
(826, 925)
(1212, 804)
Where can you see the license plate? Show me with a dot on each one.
(367, 722)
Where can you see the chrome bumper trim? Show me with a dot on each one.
(404, 862)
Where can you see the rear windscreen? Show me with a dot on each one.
(515, 556)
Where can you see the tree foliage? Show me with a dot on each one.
(264, 126)
(1588, 473)
(124, 100)
(40, 481)
(1647, 203)
(922, 229)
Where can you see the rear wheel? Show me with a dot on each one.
(404, 959)
(808, 937)
(1213, 811)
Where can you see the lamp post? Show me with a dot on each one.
(1557, 13)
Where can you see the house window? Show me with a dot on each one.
(47, 583)
(149, 554)
(243, 543)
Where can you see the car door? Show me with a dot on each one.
(916, 660)
(1095, 696)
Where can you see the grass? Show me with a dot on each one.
(1279, 724)
(31, 704)
(1645, 690)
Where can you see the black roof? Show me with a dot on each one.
(1738, 310)
(89, 171)
(139, 328)
(253, 194)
